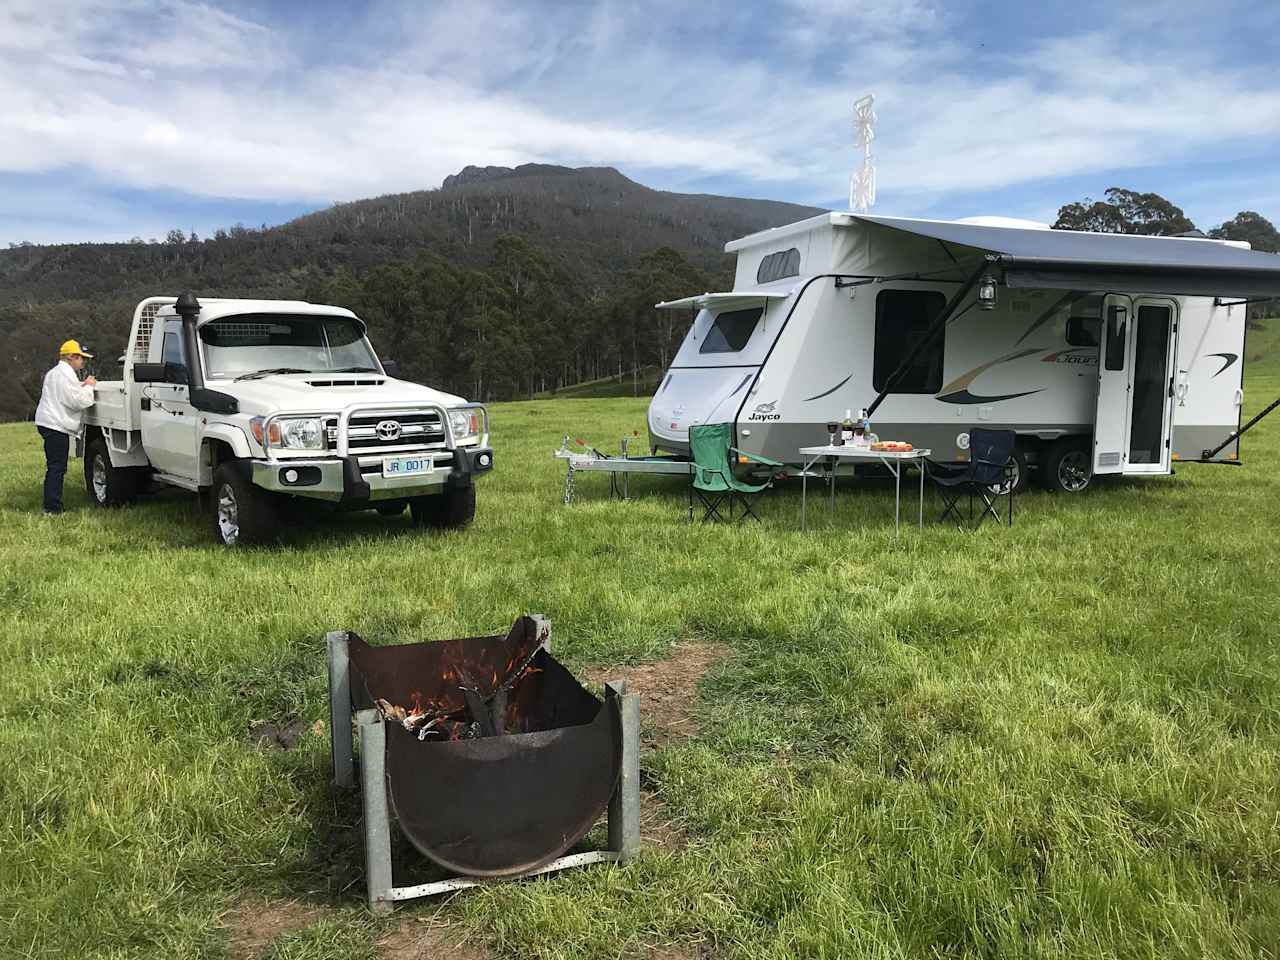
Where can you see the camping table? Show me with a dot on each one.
(892, 460)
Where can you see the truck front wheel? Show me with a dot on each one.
(451, 509)
(107, 485)
(240, 514)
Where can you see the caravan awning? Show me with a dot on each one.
(1107, 262)
(724, 301)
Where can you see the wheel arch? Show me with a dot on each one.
(132, 456)
(221, 444)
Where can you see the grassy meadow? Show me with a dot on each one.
(1056, 740)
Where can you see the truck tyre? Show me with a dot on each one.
(1067, 467)
(448, 510)
(239, 512)
(107, 485)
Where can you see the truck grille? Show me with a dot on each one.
(413, 430)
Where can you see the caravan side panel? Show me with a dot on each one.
(1209, 388)
(1010, 368)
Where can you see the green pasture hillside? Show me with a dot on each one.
(1060, 739)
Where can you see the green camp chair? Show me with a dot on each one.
(713, 479)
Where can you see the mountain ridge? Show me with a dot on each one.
(440, 258)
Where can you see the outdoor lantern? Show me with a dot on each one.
(987, 292)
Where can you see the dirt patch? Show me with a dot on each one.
(255, 925)
(668, 688)
(429, 938)
(276, 736)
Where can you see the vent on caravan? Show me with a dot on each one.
(1109, 459)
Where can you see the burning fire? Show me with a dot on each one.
(487, 709)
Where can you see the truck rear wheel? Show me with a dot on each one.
(107, 485)
(239, 510)
(1067, 467)
(448, 510)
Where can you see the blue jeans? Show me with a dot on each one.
(57, 446)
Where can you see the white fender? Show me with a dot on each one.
(231, 435)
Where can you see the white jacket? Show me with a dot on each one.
(63, 400)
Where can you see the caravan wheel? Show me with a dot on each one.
(1021, 472)
(1067, 468)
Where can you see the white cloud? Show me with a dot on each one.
(185, 97)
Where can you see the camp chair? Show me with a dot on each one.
(988, 474)
(713, 479)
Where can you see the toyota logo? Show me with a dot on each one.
(388, 430)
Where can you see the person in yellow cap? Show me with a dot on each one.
(60, 416)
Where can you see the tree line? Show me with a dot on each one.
(504, 285)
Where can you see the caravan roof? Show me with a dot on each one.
(1068, 259)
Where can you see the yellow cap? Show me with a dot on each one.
(72, 347)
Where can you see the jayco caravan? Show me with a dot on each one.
(1107, 354)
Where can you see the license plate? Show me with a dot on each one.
(406, 466)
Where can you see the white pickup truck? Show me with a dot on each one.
(250, 401)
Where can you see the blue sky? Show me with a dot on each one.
(125, 118)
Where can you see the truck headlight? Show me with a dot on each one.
(301, 434)
(467, 425)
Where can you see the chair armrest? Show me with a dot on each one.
(755, 458)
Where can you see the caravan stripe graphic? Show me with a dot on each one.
(957, 391)
(1227, 360)
(826, 393)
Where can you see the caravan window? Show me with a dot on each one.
(730, 331)
(784, 263)
(1084, 324)
(902, 319)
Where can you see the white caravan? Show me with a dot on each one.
(1107, 354)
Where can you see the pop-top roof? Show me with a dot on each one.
(724, 301)
(1112, 262)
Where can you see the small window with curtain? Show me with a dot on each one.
(903, 319)
(731, 330)
(777, 266)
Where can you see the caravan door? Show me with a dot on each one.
(1134, 418)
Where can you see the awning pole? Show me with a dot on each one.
(943, 318)
(1210, 454)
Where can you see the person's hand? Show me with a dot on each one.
(91, 381)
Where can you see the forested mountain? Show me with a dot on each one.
(501, 282)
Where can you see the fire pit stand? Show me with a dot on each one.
(501, 792)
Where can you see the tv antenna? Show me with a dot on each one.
(862, 182)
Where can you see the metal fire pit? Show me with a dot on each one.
(491, 756)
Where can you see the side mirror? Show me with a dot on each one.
(391, 368)
(175, 373)
(149, 373)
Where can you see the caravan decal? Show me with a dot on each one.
(1227, 360)
(828, 393)
(764, 411)
(957, 391)
(1081, 355)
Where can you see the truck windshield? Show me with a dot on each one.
(253, 343)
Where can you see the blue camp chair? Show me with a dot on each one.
(987, 475)
(713, 479)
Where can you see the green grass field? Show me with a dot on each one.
(1057, 740)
